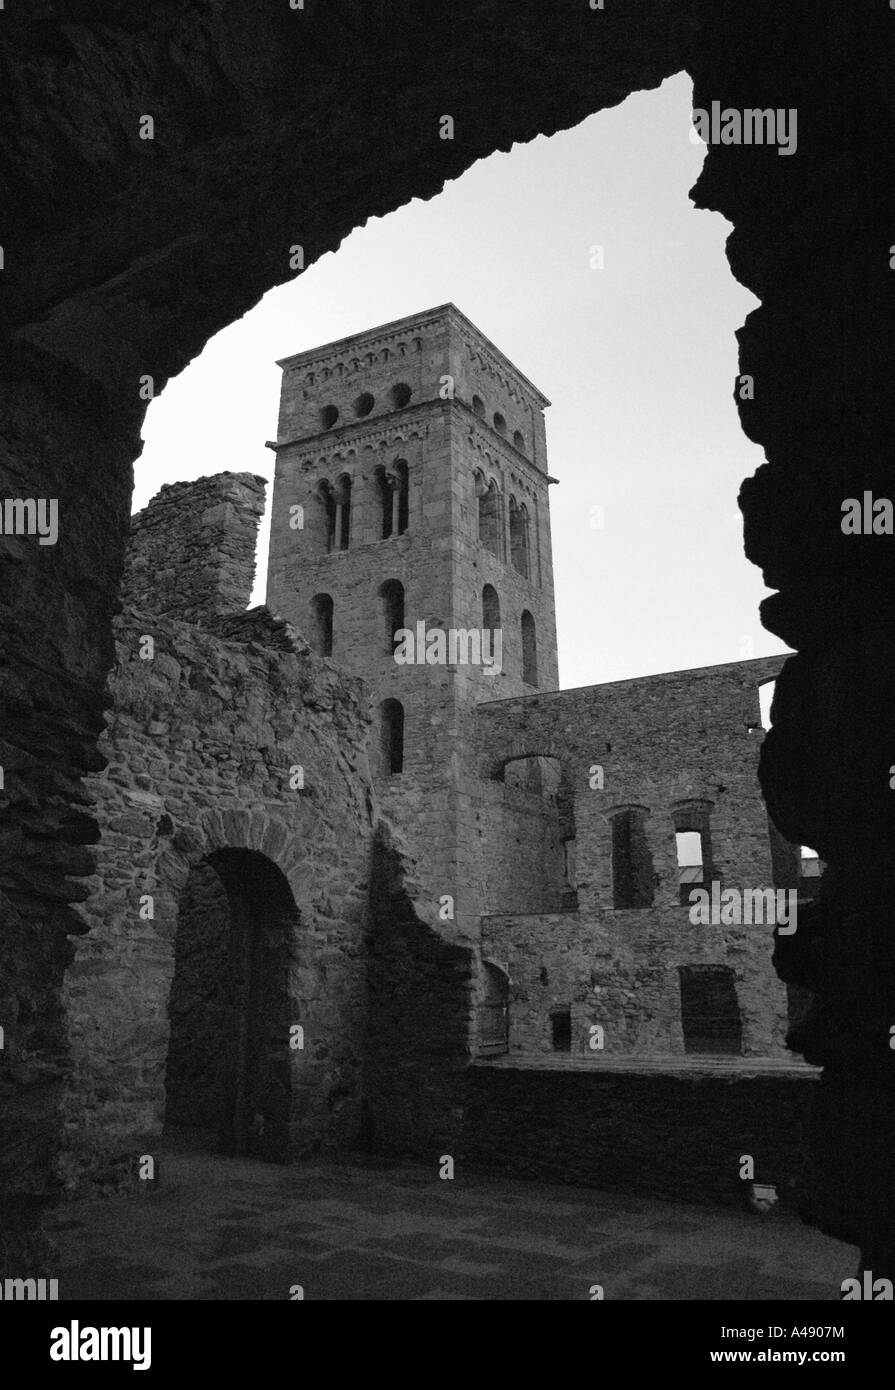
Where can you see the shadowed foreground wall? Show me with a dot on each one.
(680, 1136)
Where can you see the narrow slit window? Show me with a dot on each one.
(529, 649)
(561, 1030)
(322, 624)
(392, 731)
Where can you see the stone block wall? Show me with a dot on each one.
(680, 1136)
(192, 549)
(661, 743)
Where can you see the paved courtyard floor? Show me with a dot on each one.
(232, 1228)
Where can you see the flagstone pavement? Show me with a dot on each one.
(235, 1228)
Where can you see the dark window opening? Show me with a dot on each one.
(394, 498)
(328, 416)
(529, 649)
(322, 621)
(519, 440)
(364, 404)
(519, 539)
(403, 474)
(392, 728)
(489, 516)
(478, 405)
(385, 488)
(400, 395)
(561, 1030)
(327, 500)
(710, 1014)
(632, 863)
(343, 510)
(500, 423)
(570, 874)
(490, 610)
(391, 597)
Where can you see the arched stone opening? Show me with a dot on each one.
(231, 1052)
(391, 607)
(321, 634)
(490, 610)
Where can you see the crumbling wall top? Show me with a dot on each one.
(191, 552)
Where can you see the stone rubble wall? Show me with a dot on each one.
(680, 1136)
(199, 745)
(192, 549)
(660, 741)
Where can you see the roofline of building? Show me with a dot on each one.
(640, 680)
(448, 309)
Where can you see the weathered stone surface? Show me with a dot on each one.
(678, 1136)
(125, 255)
(192, 550)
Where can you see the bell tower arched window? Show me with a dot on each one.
(393, 489)
(519, 538)
(343, 513)
(325, 519)
(489, 515)
(391, 599)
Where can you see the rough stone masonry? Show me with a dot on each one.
(305, 936)
(121, 257)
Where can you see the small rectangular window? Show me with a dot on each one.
(561, 1030)
(690, 863)
(693, 847)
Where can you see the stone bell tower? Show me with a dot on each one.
(411, 493)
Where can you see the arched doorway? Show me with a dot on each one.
(228, 1069)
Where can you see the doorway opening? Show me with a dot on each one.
(227, 1079)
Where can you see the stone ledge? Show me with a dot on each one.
(744, 1067)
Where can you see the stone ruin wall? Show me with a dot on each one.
(200, 742)
(664, 741)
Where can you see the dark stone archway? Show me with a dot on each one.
(238, 930)
(276, 127)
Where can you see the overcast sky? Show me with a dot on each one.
(638, 358)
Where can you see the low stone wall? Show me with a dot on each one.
(676, 1132)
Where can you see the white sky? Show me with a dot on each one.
(639, 360)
